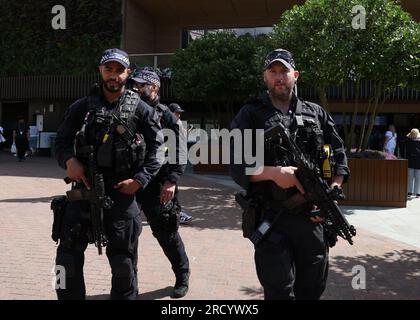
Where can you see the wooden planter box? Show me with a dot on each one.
(373, 182)
(376, 183)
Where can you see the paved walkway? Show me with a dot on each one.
(387, 244)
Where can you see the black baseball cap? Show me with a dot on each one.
(174, 107)
(116, 55)
(146, 76)
(280, 55)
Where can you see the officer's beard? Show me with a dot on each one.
(146, 94)
(113, 86)
(284, 95)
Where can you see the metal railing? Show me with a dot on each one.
(366, 91)
(73, 87)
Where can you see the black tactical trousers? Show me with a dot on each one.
(292, 262)
(170, 241)
(122, 227)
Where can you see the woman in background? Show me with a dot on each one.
(413, 156)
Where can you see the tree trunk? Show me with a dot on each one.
(365, 122)
(353, 119)
(377, 95)
(344, 114)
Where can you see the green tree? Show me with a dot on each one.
(216, 70)
(30, 46)
(330, 51)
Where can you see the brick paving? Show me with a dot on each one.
(221, 259)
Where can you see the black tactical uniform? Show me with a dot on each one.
(165, 228)
(122, 221)
(292, 262)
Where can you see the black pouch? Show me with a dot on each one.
(58, 206)
(138, 151)
(122, 158)
(104, 156)
(170, 217)
(250, 219)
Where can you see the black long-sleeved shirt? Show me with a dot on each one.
(412, 153)
(172, 171)
(147, 124)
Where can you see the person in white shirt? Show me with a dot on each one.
(2, 139)
(390, 140)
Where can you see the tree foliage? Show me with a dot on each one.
(330, 51)
(30, 46)
(217, 69)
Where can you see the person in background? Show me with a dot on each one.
(159, 200)
(2, 139)
(177, 110)
(21, 139)
(412, 154)
(390, 140)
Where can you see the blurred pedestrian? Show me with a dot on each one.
(412, 152)
(177, 110)
(2, 138)
(21, 139)
(390, 140)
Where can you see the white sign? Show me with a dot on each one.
(40, 122)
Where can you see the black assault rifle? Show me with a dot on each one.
(317, 191)
(98, 201)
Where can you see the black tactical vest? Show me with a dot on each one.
(119, 149)
(304, 127)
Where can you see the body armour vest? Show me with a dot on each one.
(305, 129)
(119, 149)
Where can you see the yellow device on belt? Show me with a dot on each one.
(326, 165)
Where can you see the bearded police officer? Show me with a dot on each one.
(159, 200)
(292, 260)
(125, 166)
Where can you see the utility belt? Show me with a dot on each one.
(260, 214)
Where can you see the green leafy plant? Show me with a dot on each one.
(30, 46)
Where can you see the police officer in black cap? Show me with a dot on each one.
(161, 194)
(126, 168)
(292, 260)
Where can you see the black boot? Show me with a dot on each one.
(181, 285)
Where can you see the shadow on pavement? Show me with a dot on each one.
(256, 293)
(29, 200)
(36, 166)
(211, 207)
(393, 275)
(156, 294)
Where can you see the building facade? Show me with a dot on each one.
(152, 31)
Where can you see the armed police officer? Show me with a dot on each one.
(292, 256)
(116, 126)
(159, 200)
